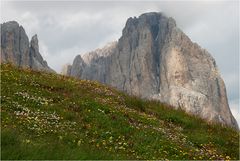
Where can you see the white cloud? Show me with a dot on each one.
(64, 57)
(43, 49)
(29, 20)
(79, 19)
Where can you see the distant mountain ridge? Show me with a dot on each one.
(16, 48)
(154, 59)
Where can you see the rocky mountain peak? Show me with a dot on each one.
(154, 59)
(100, 52)
(10, 25)
(156, 22)
(16, 49)
(78, 65)
(14, 44)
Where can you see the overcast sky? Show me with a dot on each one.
(66, 29)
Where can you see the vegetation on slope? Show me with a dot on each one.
(50, 116)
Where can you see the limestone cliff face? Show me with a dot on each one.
(16, 49)
(154, 59)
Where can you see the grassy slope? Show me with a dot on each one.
(49, 116)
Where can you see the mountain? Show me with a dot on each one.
(16, 48)
(154, 59)
(46, 116)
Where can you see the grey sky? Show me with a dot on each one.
(66, 29)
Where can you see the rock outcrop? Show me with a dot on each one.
(16, 49)
(154, 59)
(94, 65)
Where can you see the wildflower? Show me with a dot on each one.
(101, 110)
(79, 142)
(104, 142)
(27, 141)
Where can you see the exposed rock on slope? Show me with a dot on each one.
(15, 48)
(154, 59)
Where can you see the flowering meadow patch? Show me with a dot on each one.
(50, 116)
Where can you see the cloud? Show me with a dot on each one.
(43, 49)
(66, 29)
(79, 19)
(30, 22)
(65, 56)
